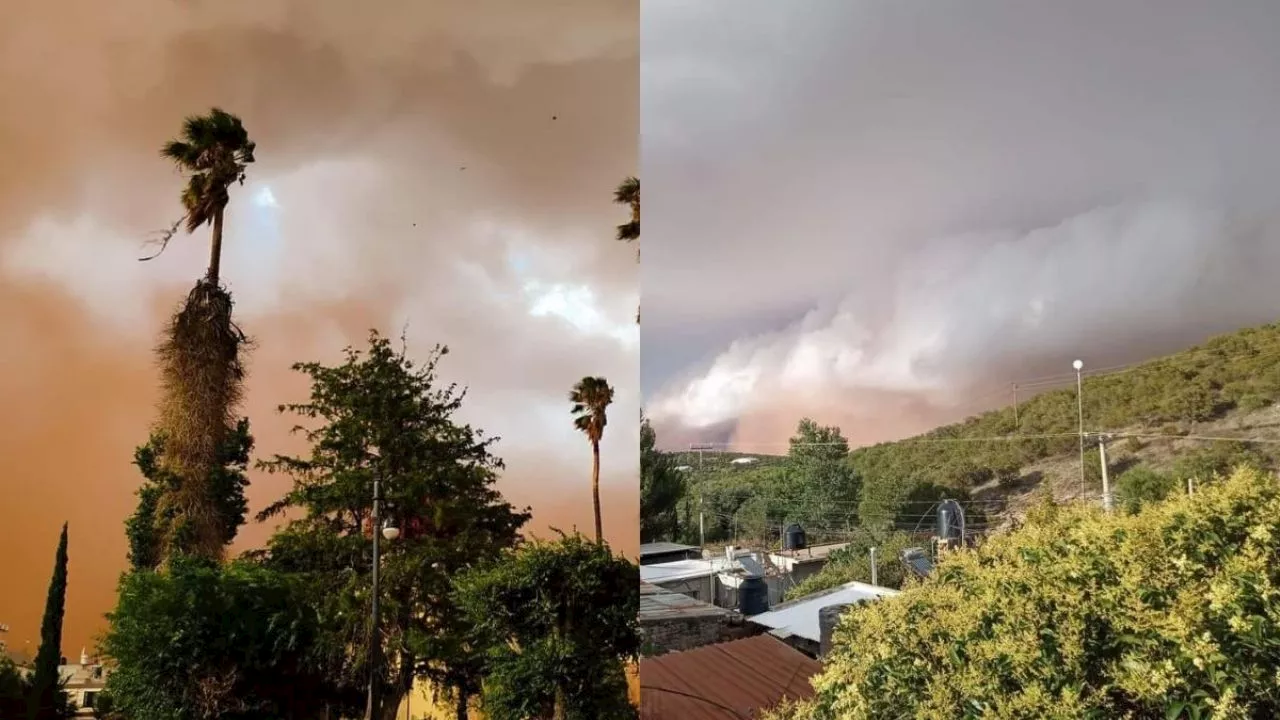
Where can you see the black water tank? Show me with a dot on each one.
(793, 539)
(828, 618)
(753, 596)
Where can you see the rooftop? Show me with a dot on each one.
(800, 617)
(812, 554)
(662, 548)
(729, 681)
(682, 570)
(660, 605)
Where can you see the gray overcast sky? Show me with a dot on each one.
(883, 213)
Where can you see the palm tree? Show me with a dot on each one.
(215, 150)
(628, 193)
(201, 368)
(590, 398)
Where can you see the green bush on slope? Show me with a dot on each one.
(1168, 613)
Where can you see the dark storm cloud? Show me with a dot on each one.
(942, 198)
(357, 214)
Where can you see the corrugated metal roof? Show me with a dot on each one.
(682, 570)
(730, 681)
(800, 617)
(660, 605)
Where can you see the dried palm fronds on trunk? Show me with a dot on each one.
(202, 382)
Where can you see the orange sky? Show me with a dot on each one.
(357, 214)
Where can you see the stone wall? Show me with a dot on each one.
(691, 632)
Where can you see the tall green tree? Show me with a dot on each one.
(47, 701)
(591, 398)
(214, 151)
(202, 371)
(559, 619)
(822, 485)
(380, 415)
(147, 527)
(661, 487)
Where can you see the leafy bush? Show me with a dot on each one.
(1173, 612)
(204, 640)
(1141, 486)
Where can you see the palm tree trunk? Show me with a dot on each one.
(461, 707)
(215, 249)
(595, 487)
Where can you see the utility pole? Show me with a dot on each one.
(373, 629)
(1017, 426)
(1079, 365)
(702, 524)
(1191, 486)
(1106, 485)
(875, 570)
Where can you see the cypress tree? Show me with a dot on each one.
(46, 701)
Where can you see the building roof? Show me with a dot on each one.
(682, 570)
(660, 605)
(729, 681)
(662, 548)
(800, 617)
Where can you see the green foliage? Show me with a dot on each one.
(46, 699)
(1170, 613)
(203, 641)
(560, 621)
(149, 524)
(13, 688)
(1141, 486)
(661, 487)
(1205, 463)
(854, 563)
(379, 415)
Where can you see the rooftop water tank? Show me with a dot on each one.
(828, 619)
(793, 538)
(753, 596)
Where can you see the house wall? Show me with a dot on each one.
(658, 638)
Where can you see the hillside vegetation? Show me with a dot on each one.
(1174, 418)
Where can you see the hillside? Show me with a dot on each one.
(1171, 418)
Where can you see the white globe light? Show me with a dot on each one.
(390, 532)
(1077, 364)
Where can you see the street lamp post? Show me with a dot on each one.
(390, 532)
(1079, 365)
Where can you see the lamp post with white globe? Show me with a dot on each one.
(1079, 365)
(390, 532)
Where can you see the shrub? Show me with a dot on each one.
(1173, 612)
(1141, 486)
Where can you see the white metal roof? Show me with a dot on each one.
(800, 617)
(682, 570)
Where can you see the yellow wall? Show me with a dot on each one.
(423, 703)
